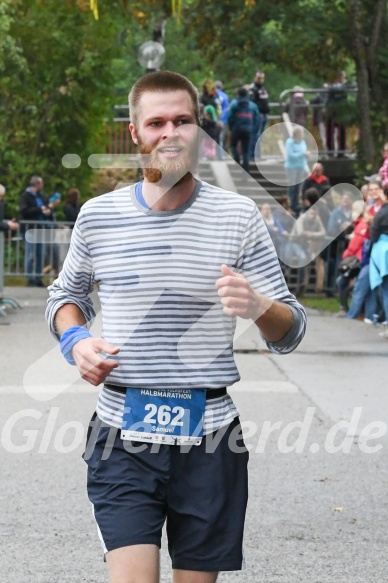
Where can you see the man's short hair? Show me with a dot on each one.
(161, 81)
(242, 92)
(35, 180)
(2, 190)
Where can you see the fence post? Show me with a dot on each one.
(2, 311)
(3, 301)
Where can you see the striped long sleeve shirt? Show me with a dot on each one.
(156, 273)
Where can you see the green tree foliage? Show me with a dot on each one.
(61, 70)
(55, 87)
(312, 39)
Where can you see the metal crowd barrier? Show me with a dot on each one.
(319, 276)
(47, 244)
(4, 301)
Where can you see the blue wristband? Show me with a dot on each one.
(70, 338)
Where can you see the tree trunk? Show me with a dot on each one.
(359, 52)
(380, 11)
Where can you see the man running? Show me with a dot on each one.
(176, 260)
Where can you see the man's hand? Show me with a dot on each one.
(92, 367)
(46, 211)
(238, 297)
(13, 225)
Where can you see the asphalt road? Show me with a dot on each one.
(318, 508)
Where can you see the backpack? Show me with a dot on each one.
(350, 267)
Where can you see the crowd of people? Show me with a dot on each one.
(244, 118)
(37, 212)
(356, 261)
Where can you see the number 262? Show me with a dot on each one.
(164, 415)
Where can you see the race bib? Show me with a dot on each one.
(164, 416)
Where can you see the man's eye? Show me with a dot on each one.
(183, 121)
(156, 124)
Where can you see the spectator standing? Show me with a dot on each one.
(317, 179)
(296, 167)
(209, 97)
(353, 250)
(318, 105)
(224, 101)
(378, 271)
(72, 205)
(364, 299)
(209, 125)
(335, 105)
(340, 217)
(383, 172)
(259, 95)
(297, 107)
(243, 120)
(35, 209)
(51, 247)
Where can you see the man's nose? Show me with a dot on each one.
(168, 130)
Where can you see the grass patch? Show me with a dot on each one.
(20, 280)
(321, 303)
(14, 281)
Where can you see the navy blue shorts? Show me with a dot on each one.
(201, 491)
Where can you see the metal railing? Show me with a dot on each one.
(37, 249)
(318, 118)
(4, 301)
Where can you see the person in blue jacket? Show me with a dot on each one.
(378, 270)
(243, 120)
(224, 100)
(296, 167)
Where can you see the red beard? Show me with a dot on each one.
(169, 172)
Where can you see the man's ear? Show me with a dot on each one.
(133, 132)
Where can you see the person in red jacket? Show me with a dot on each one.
(361, 224)
(317, 180)
(360, 234)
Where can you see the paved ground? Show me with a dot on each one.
(314, 516)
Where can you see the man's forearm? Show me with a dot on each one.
(67, 316)
(275, 322)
